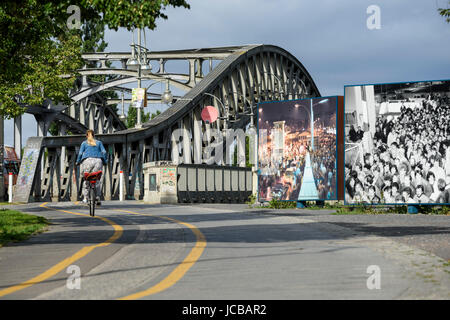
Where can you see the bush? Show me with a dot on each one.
(277, 204)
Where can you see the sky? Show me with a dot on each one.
(330, 38)
(295, 110)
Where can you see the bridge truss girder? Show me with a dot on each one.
(258, 73)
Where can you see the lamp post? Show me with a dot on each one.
(167, 96)
(122, 116)
(225, 109)
(311, 117)
(140, 64)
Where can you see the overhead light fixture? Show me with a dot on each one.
(167, 96)
(132, 63)
(146, 68)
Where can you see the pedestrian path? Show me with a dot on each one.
(308, 190)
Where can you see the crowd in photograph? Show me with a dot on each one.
(281, 177)
(324, 166)
(410, 161)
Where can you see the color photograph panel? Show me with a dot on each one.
(397, 139)
(297, 150)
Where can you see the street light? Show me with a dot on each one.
(311, 117)
(225, 109)
(122, 116)
(167, 96)
(138, 61)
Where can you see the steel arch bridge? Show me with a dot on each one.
(245, 76)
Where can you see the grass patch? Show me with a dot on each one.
(277, 204)
(342, 209)
(18, 226)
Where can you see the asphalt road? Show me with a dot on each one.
(138, 251)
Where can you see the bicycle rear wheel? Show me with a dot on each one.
(92, 201)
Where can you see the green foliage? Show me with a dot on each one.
(278, 204)
(445, 12)
(398, 209)
(16, 226)
(155, 114)
(132, 116)
(132, 14)
(39, 55)
(358, 210)
(251, 200)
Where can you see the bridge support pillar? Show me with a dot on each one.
(186, 141)
(197, 138)
(18, 136)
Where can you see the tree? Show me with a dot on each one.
(132, 116)
(445, 12)
(39, 55)
(155, 114)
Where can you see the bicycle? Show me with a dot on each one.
(91, 178)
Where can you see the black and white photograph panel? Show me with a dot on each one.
(397, 139)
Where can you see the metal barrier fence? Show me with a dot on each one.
(206, 183)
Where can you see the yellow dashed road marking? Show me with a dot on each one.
(118, 230)
(181, 269)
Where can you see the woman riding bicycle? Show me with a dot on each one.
(92, 156)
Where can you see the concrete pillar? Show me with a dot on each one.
(186, 141)
(197, 139)
(18, 136)
(174, 140)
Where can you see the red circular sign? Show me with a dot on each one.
(209, 114)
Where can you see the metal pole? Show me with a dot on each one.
(121, 186)
(10, 187)
(123, 106)
(138, 110)
(312, 126)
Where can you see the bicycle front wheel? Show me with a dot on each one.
(92, 201)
